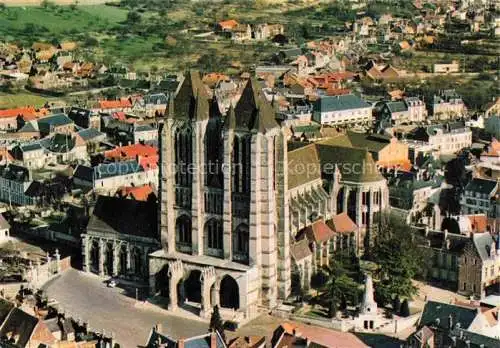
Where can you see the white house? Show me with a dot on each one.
(342, 110)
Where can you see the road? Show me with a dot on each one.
(86, 297)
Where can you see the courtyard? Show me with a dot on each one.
(86, 297)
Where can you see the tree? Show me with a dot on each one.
(133, 17)
(405, 308)
(398, 258)
(216, 323)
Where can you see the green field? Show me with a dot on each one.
(22, 99)
(23, 22)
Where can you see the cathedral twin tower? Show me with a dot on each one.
(222, 194)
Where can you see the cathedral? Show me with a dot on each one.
(245, 216)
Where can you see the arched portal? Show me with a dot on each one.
(137, 260)
(94, 256)
(229, 293)
(108, 265)
(123, 260)
(192, 286)
(162, 282)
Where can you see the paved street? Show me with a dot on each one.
(86, 297)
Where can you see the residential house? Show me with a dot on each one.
(20, 329)
(406, 111)
(138, 193)
(108, 177)
(145, 133)
(444, 139)
(267, 31)
(85, 118)
(446, 68)
(481, 196)
(460, 324)
(342, 110)
(8, 117)
(17, 186)
(493, 108)
(151, 105)
(208, 340)
(479, 270)
(110, 106)
(447, 105)
(383, 72)
(57, 123)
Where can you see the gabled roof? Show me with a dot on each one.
(90, 133)
(438, 314)
(482, 186)
(135, 218)
(342, 223)
(300, 249)
(191, 102)
(45, 124)
(340, 103)
(252, 111)
(19, 324)
(482, 244)
(318, 232)
(139, 193)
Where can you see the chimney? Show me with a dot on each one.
(159, 327)
(213, 339)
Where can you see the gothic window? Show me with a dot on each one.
(183, 156)
(241, 243)
(241, 163)
(213, 154)
(214, 234)
(183, 230)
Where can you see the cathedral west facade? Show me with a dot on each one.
(241, 213)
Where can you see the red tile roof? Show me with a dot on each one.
(139, 193)
(478, 222)
(319, 336)
(24, 111)
(229, 24)
(342, 223)
(115, 104)
(131, 152)
(319, 231)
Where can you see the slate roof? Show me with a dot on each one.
(34, 146)
(252, 111)
(303, 166)
(19, 323)
(482, 243)
(482, 186)
(135, 218)
(471, 339)
(84, 173)
(44, 124)
(14, 172)
(89, 134)
(356, 165)
(59, 143)
(339, 103)
(371, 142)
(397, 106)
(5, 308)
(191, 102)
(156, 99)
(143, 128)
(29, 127)
(34, 189)
(443, 311)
